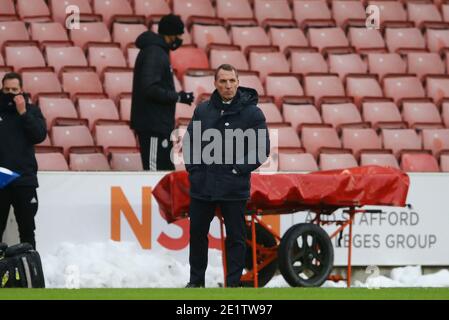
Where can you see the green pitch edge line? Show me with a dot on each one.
(228, 294)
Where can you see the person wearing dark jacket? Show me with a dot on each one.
(154, 96)
(220, 170)
(22, 125)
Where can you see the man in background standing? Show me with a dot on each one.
(154, 96)
(21, 127)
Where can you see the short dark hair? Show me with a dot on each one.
(11, 76)
(226, 67)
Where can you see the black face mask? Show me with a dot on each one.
(7, 100)
(175, 44)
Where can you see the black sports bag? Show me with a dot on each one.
(21, 267)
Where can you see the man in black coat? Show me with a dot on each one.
(154, 97)
(220, 170)
(21, 127)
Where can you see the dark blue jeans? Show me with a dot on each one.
(201, 215)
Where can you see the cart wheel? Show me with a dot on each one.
(267, 240)
(306, 255)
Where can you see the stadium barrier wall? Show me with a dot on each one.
(85, 207)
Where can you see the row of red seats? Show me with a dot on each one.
(259, 9)
(244, 33)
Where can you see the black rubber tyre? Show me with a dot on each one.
(267, 240)
(305, 255)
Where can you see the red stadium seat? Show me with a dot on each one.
(437, 87)
(287, 37)
(117, 81)
(80, 80)
(419, 162)
(48, 31)
(267, 60)
(125, 159)
(315, 137)
(390, 10)
(199, 82)
(445, 11)
(363, 38)
(58, 8)
(420, 12)
(384, 63)
(221, 54)
(127, 33)
(279, 85)
(297, 162)
(36, 10)
(40, 80)
(310, 9)
(271, 112)
(379, 159)
(359, 139)
(88, 159)
(251, 79)
(334, 161)
(188, 58)
(320, 85)
(151, 7)
(283, 136)
(23, 55)
(50, 159)
(327, 37)
(71, 135)
(103, 56)
(402, 86)
(108, 9)
(268, 9)
(346, 63)
(397, 38)
(249, 36)
(300, 111)
(380, 111)
(344, 10)
(90, 32)
(131, 55)
(445, 112)
(338, 114)
(416, 111)
(234, 9)
(401, 139)
(435, 140)
(56, 107)
(13, 30)
(437, 38)
(94, 109)
(187, 8)
(423, 63)
(361, 86)
(444, 162)
(203, 34)
(59, 57)
(307, 60)
(116, 134)
(7, 7)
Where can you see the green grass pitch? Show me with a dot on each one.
(228, 294)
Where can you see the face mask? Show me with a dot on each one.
(175, 44)
(7, 100)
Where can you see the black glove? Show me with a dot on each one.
(185, 97)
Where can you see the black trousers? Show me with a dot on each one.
(201, 215)
(25, 203)
(155, 151)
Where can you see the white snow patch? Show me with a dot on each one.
(126, 265)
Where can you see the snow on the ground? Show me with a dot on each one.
(126, 265)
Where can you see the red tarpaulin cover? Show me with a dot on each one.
(366, 185)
